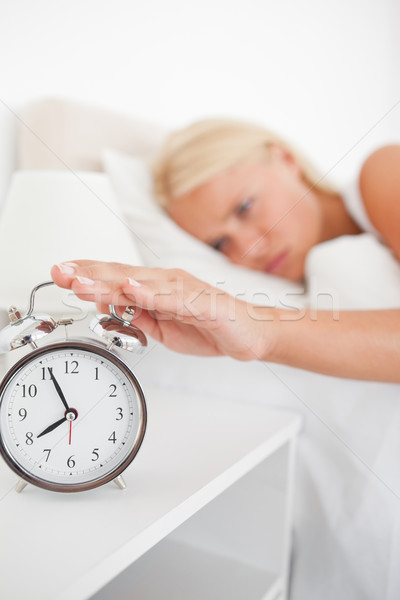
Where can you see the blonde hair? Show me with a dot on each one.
(192, 156)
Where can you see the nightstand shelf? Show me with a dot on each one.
(185, 572)
(206, 514)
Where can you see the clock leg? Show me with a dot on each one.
(21, 485)
(119, 482)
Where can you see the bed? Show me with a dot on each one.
(347, 502)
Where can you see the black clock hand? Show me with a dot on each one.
(51, 427)
(59, 390)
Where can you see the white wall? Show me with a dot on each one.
(323, 73)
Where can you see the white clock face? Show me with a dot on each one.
(72, 416)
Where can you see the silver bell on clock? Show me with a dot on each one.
(72, 413)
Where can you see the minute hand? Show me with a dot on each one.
(59, 390)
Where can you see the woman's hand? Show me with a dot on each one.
(173, 307)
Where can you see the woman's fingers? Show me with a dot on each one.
(166, 297)
(64, 273)
(163, 294)
(106, 283)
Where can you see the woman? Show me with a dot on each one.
(248, 194)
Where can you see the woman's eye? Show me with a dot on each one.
(219, 244)
(244, 206)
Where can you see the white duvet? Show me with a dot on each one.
(347, 503)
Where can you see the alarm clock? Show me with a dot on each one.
(72, 413)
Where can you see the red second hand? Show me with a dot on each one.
(70, 432)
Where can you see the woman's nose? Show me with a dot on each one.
(249, 246)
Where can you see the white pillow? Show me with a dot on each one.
(162, 243)
(356, 271)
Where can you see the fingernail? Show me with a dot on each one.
(134, 283)
(85, 280)
(67, 268)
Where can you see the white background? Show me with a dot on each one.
(322, 73)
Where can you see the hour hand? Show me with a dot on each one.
(53, 426)
(58, 389)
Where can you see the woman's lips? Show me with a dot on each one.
(275, 265)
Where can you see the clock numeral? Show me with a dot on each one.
(113, 389)
(46, 373)
(29, 438)
(71, 367)
(120, 414)
(71, 462)
(112, 438)
(48, 450)
(32, 390)
(96, 370)
(22, 413)
(96, 454)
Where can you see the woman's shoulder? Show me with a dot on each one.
(380, 192)
(380, 171)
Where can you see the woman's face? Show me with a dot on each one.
(261, 215)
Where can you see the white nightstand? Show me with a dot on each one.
(206, 514)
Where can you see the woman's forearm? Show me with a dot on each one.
(353, 344)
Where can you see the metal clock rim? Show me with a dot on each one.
(96, 348)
